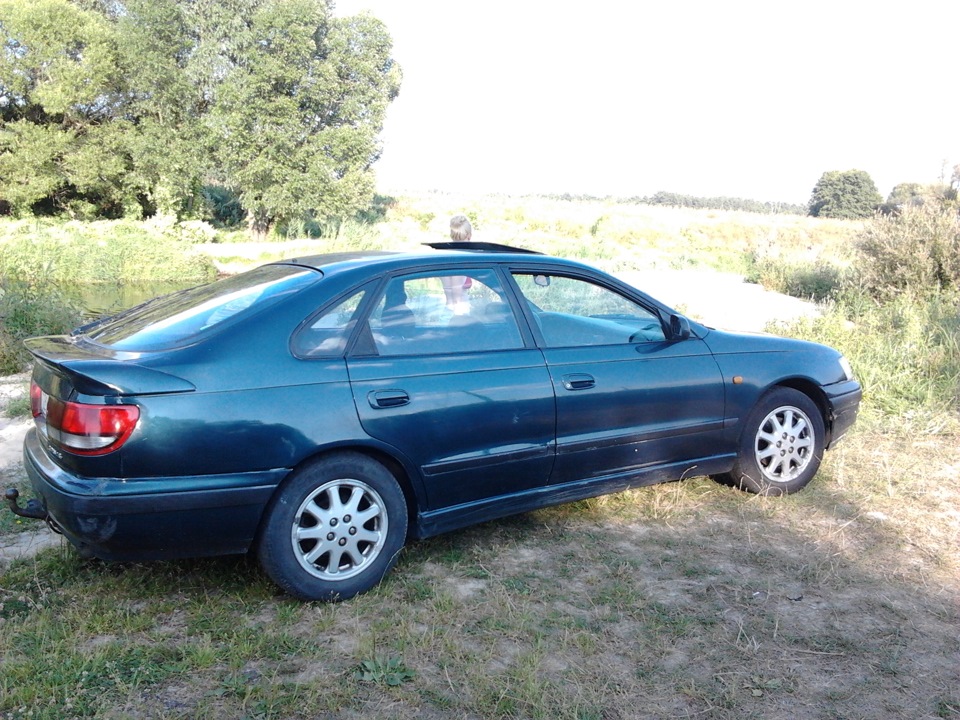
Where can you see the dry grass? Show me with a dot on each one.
(681, 600)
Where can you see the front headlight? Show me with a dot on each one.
(845, 366)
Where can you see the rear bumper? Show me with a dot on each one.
(151, 518)
(844, 401)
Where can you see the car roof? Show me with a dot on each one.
(333, 263)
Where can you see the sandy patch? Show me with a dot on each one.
(720, 300)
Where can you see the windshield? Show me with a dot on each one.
(177, 319)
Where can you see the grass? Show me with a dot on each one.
(688, 599)
(101, 252)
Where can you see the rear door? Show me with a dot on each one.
(628, 399)
(444, 374)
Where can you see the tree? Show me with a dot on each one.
(57, 77)
(297, 117)
(96, 117)
(849, 194)
(112, 107)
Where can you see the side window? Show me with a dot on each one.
(572, 312)
(444, 313)
(327, 334)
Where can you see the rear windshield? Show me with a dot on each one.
(179, 318)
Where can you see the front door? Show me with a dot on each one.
(628, 399)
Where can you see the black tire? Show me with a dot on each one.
(334, 529)
(781, 445)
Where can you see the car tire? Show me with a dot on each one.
(334, 528)
(781, 445)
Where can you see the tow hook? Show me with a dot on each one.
(33, 509)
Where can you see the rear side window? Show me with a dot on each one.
(444, 313)
(178, 319)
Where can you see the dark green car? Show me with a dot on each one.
(321, 411)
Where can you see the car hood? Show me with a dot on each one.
(722, 342)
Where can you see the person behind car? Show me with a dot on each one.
(454, 286)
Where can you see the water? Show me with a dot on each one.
(100, 300)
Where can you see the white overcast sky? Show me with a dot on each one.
(741, 98)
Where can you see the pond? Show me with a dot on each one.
(100, 300)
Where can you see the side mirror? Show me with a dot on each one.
(679, 328)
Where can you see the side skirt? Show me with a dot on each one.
(444, 520)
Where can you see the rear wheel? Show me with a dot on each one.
(781, 446)
(334, 529)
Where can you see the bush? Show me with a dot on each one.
(818, 281)
(916, 251)
(28, 309)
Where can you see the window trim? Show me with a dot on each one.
(369, 287)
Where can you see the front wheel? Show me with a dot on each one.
(781, 446)
(334, 529)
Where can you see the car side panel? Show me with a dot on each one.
(244, 430)
(476, 425)
(624, 407)
(156, 518)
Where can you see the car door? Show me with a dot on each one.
(628, 398)
(452, 382)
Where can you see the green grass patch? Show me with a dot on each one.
(100, 252)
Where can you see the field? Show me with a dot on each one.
(686, 600)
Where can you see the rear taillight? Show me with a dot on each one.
(36, 399)
(81, 428)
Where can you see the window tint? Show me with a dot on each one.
(444, 313)
(177, 319)
(328, 333)
(574, 312)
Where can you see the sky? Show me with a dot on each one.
(738, 98)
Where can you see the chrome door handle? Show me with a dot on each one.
(379, 399)
(578, 381)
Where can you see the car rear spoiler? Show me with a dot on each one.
(94, 374)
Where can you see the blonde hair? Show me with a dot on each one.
(460, 228)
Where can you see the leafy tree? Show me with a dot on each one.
(849, 194)
(58, 75)
(95, 114)
(915, 194)
(297, 117)
(111, 107)
(905, 193)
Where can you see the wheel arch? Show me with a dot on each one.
(393, 465)
(813, 391)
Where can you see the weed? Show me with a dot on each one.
(384, 671)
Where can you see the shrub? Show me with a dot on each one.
(818, 281)
(28, 309)
(916, 251)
